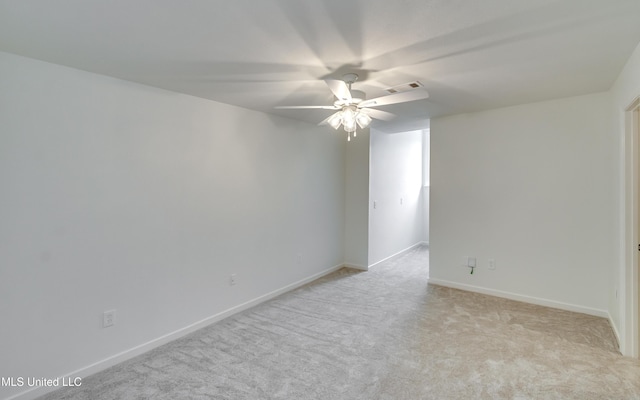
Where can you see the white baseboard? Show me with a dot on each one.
(398, 254)
(35, 392)
(522, 298)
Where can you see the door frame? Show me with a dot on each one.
(631, 279)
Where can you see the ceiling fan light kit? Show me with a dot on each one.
(350, 118)
(353, 110)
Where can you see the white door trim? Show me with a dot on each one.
(631, 343)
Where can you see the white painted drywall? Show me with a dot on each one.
(425, 214)
(532, 187)
(115, 195)
(396, 187)
(356, 217)
(426, 163)
(623, 92)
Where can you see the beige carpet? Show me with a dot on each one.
(382, 334)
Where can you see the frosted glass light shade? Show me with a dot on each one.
(348, 116)
(349, 126)
(335, 120)
(363, 120)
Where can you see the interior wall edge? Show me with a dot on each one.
(615, 329)
(355, 266)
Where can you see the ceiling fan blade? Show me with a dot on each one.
(379, 114)
(339, 89)
(395, 98)
(307, 107)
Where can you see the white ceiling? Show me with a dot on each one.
(469, 54)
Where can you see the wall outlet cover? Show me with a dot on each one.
(108, 318)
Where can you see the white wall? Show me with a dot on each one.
(426, 163)
(121, 196)
(624, 91)
(532, 187)
(356, 217)
(396, 187)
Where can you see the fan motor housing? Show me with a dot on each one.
(357, 96)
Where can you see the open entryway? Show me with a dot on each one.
(398, 193)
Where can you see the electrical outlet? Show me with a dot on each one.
(233, 279)
(492, 263)
(108, 318)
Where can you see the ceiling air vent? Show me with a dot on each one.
(405, 87)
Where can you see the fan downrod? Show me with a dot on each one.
(350, 78)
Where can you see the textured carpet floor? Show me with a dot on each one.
(381, 334)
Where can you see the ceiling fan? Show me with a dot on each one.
(353, 110)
